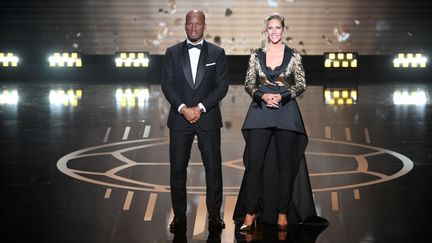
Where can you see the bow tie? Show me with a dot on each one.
(190, 45)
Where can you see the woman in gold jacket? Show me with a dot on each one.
(275, 136)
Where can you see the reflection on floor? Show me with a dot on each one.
(90, 163)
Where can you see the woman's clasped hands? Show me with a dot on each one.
(272, 100)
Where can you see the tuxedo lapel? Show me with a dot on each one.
(186, 65)
(201, 65)
(284, 65)
(287, 57)
(262, 62)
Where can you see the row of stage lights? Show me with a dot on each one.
(132, 97)
(338, 96)
(141, 59)
(73, 59)
(344, 96)
(410, 97)
(340, 59)
(68, 97)
(349, 60)
(138, 97)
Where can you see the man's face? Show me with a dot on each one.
(195, 26)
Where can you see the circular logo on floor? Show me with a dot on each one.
(143, 165)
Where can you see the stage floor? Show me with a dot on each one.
(94, 166)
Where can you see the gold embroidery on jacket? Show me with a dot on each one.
(256, 76)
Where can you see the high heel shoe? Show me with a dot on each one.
(248, 227)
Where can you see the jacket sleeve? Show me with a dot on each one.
(250, 84)
(167, 82)
(299, 85)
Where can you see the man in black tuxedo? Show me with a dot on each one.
(194, 81)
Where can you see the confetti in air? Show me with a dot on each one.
(172, 6)
(272, 3)
(228, 12)
(217, 40)
(341, 34)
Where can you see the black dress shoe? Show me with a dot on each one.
(178, 224)
(215, 222)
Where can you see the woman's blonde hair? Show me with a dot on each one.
(264, 43)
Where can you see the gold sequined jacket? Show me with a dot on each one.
(292, 77)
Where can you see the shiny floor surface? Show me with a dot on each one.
(89, 163)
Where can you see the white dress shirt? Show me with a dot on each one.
(194, 54)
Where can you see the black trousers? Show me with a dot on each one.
(257, 142)
(209, 143)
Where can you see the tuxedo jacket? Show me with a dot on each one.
(290, 83)
(211, 84)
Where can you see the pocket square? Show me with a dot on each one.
(210, 64)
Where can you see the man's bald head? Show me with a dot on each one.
(196, 12)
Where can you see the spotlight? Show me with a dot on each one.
(132, 98)
(63, 97)
(409, 60)
(340, 60)
(410, 97)
(9, 97)
(8, 59)
(340, 96)
(65, 59)
(132, 59)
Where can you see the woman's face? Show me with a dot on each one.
(274, 31)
